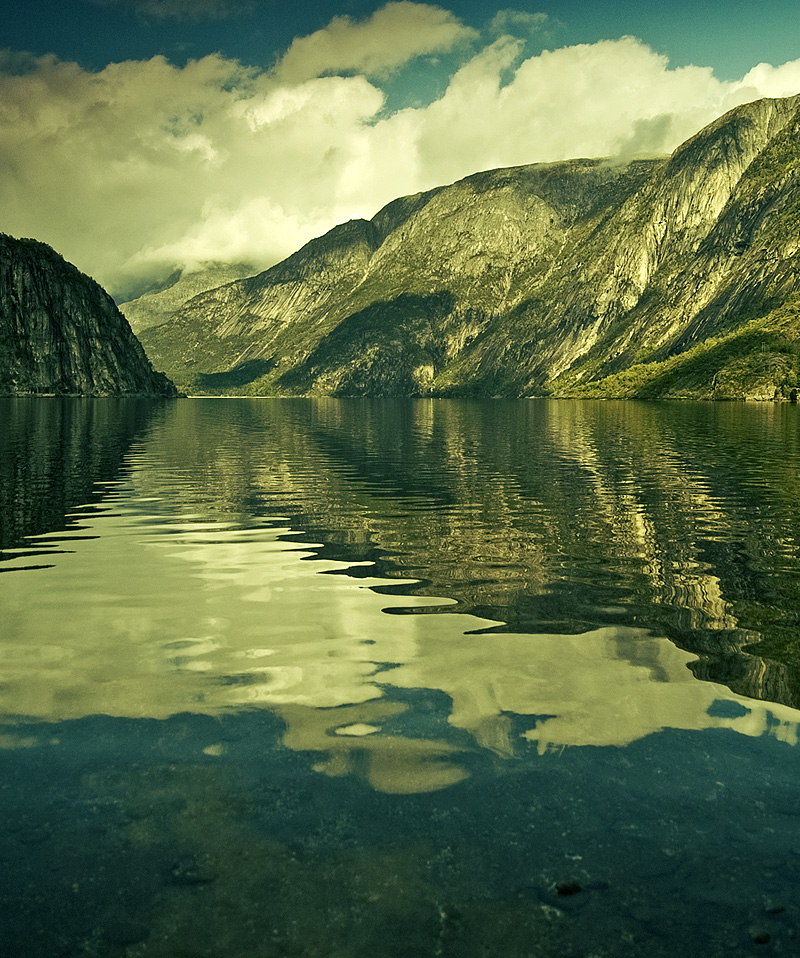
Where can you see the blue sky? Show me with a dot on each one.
(141, 135)
(728, 35)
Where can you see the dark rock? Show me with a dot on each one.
(568, 888)
(62, 334)
(190, 872)
(772, 907)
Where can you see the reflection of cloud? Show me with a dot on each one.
(390, 763)
(197, 616)
(611, 686)
(194, 615)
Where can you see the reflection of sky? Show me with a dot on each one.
(147, 617)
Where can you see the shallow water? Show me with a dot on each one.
(414, 678)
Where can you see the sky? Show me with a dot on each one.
(141, 136)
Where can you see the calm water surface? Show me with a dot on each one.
(352, 679)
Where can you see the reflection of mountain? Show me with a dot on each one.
(550, 517)
(150, 615)
(53, 453)
(594, 531)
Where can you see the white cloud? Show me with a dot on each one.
(589, 100)
(145, 166)
(256, 230)
(393, 35)
(771, 81)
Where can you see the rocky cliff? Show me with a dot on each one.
(62, 333)
(666, 277)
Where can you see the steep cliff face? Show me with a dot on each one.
(544, 279)
(708, 244)
(61, 333)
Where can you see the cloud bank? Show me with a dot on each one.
(145, 166)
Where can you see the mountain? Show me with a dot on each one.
(665, 277)
(61, 333)
(158, 304)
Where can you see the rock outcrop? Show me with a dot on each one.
(61, 333)
(575, 278)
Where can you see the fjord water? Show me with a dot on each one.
(403, 678)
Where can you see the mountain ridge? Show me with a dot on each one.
(157, 304)
(537, 280)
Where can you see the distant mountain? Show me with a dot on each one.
(670, 277)
(61, 333)
(158, 304)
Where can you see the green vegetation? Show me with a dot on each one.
(759, 361)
